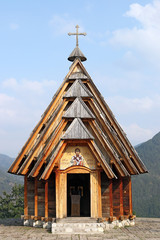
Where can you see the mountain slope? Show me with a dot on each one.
(7, 180)
(146, 188)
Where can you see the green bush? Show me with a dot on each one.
(12, 205)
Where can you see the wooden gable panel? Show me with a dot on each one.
(78, 89)
(77, 130)
(77, 75)
(78, 109)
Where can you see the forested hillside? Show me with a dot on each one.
(7, 180)
(146, 188)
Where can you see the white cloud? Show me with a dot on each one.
(124, 105)
(14, 26)
(64, 24)
(145, 37)
(137, 134)
(26, 85)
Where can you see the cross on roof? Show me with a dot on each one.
(77, 33)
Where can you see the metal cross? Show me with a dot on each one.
(77, 33)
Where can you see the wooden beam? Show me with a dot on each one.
(41, 142)
(57, 194)
(25, 197)
(98, 157)
(47, 173)
(94, 194)
(115, 142)
(46, 199)
(113, 122)
(36, 197)
(121, 196)
(105, 146)
(50, 148)
(63, 195)
(111, 197)
(130, 197)
(54, 103)
(99, 196)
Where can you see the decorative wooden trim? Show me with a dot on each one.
(76, 169)
(121, 197)
(46, 199)
(25, 197)
(111, 198)
(130, 197)
(99, 196)
(36, 197)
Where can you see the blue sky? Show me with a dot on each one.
(123, 51)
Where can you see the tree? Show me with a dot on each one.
(12, 205)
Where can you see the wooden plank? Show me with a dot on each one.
(54, 103)
(105, 195)
(47, 173)
(121, 197)
(40, 142)
(99, 196)
(57, 194)
(78, 89)
(112, 138)
(36, 199)
(53, 142)
(78, 109)
(130, 197)
(111, 198)
(77, 130)
(140, 166)
(46, 199)
(63, 195)
(94, 194)
(25, 197)
(105, 166)
(106, 147)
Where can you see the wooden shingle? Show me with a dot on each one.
(78, 109)
(77, 130)
(78, 89)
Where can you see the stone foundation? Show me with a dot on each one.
(88, 228)
(78, 227)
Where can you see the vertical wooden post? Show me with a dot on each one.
(99, 196)
(62, 195)
(121, 196)
(46, 199)
(130, 197)
(111, 197)
(57, 194)
(94, 194)
(36, 198)
(25, 197)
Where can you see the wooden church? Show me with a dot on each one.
(77, 161)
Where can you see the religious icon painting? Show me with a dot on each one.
(77, 159)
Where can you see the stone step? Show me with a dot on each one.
(77, 220)
(77, 228)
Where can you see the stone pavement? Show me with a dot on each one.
(145, 228)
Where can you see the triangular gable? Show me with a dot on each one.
(78, 89)
(78, 109)
(77, 130)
